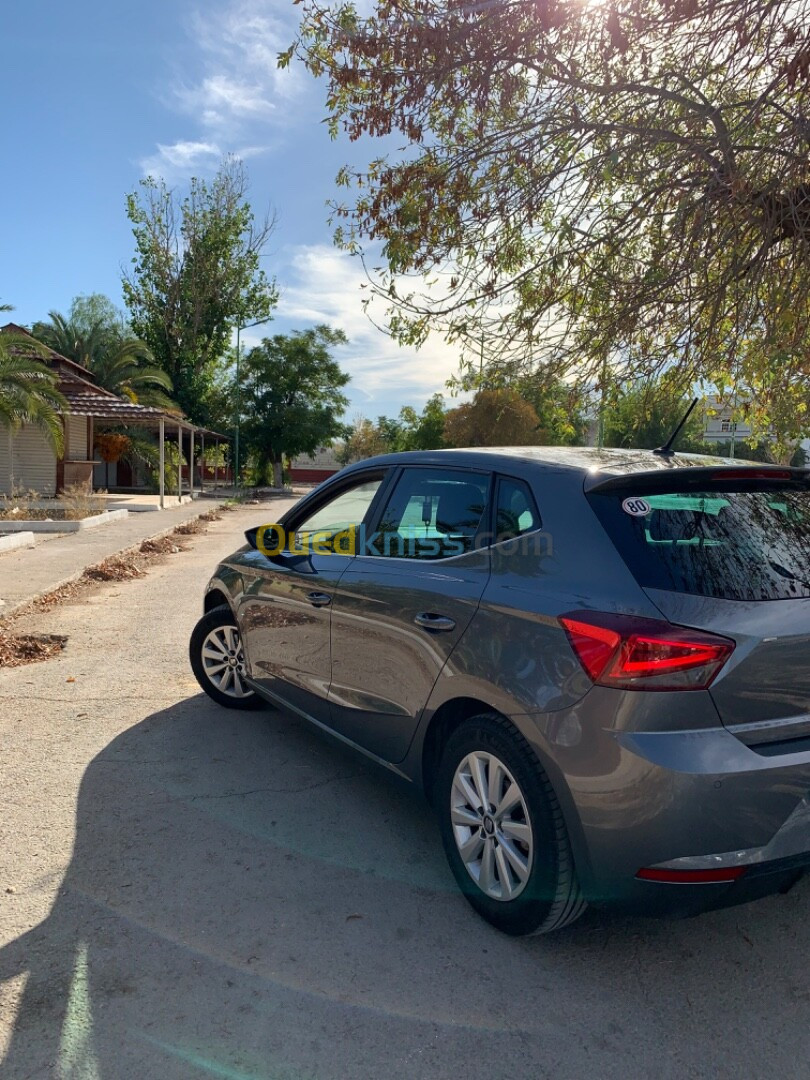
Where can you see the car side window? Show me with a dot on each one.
(432, 513)
(339, 518)
(516, 512)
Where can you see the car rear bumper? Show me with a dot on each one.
(696, 799)
(656, 899)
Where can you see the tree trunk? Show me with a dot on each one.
(278, 477)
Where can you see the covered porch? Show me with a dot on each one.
(165, 428)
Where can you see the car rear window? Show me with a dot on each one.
(734, 545)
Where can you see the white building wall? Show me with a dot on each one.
(5, 460)
(323, 458)
(76, 438)
(33, 462)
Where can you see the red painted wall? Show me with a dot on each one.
(311, 476)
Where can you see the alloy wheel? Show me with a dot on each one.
(491, 826)
(224, 662)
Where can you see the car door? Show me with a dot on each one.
(403, 604)
(285, 611)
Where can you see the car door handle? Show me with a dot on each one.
(319, 599)
(431, 621)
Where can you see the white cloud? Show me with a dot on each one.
(231, 89)
(323, 285)
(181, 157)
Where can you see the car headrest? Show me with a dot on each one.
(459, 510)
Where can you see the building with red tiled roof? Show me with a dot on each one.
(28, 461)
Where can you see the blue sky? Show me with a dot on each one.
(95, 95)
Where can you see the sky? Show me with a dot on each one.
(96, 95)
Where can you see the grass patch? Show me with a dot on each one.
(74, 504)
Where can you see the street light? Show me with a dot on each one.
(239, 329)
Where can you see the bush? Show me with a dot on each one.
(80, 502)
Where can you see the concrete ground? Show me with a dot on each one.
(187, 892)
(60, 557)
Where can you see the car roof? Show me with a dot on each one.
(579, 460)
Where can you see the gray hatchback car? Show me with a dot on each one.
(596, 663)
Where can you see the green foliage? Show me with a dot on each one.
(423, 431)
(409, 431)
(195, 277)
(215, 455)
(745, 450)
(595, 182)
(560, 406)
(95, 335)
(560, 409)
(28, 388)
(219, 403)
(365, 439)
(291, 397)
(126, 370)
(643, 415)
(172, 460)
(495, 417)
(96, 309)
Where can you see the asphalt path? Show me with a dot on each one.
(191, 892)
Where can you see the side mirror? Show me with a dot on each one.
(272, 537)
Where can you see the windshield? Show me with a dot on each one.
(749, 545)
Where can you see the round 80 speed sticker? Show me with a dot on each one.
(636, 507)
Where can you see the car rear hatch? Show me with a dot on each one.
(726, 550)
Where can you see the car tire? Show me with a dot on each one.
(512, 860)
(219, 676)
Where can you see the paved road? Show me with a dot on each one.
(191, 893)
(59, 557)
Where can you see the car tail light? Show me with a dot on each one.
(716, 876)
(644, 654)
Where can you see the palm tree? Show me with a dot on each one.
(127, 369)
(123, 365)
(28, 390)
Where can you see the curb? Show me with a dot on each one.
(16, 539)
(10, 612)
(57, 526)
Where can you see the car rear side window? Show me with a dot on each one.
(733, 545)
(431, 514)
(516, 512)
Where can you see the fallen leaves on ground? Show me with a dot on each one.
(18, 649)
(160, 545)
(58, 596)
(189, 528)
(114, 569)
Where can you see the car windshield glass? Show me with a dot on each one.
(744, 545)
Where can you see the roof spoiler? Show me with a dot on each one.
(699, 478)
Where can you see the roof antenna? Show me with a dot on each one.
(666, 450)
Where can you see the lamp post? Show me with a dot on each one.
(239, 328)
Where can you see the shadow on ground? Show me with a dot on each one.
(248, 900)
